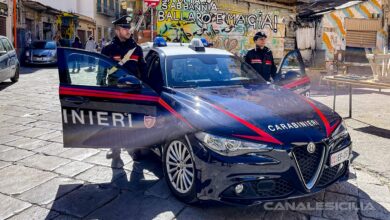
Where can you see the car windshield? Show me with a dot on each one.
(209, 70)
(44, 45)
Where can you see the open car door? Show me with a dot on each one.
(100, 109)
(291, 74)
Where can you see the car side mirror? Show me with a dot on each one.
(2, 52)
(129, 82)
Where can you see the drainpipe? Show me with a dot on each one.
(15, 24)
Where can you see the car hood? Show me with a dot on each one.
(265, 113)
(43, 52)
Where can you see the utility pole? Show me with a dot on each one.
(15, 24)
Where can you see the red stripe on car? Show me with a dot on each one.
(176, 114)
(120, 95)
(321, 115)
(263, 136)
(299, 82)
(332, 128)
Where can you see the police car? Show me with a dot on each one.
(291, 73)
(222, 132)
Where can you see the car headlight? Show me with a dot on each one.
(340, 131)
(230, 147)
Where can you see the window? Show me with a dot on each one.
(99, 6)
(291, 67)
(88, 70)
(99, 34)
(105, 4)
(112, 5)
(154, 77)
(209, 70)
(7, 44)
(44, 45)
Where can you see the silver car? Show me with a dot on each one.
(9, 64)
(41, 52)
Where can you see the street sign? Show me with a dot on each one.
(152, 3)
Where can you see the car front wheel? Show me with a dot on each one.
(179, 170)
(15, 78)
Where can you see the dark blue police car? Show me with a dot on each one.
(223, 133)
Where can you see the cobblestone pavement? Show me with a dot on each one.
(39, 179)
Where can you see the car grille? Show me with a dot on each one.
(331, 173)
(308, 163)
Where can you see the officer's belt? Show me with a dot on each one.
(122, 62)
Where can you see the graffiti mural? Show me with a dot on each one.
(333, 37)
(224, 25)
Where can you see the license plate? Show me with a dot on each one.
(339, 157)
(39, 58)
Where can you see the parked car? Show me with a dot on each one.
(41, 52)
(9, 64)
(292, 76)
(222, 132)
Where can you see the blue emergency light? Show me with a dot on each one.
(159, 42)
(204, 41)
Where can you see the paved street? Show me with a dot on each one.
(39, 179)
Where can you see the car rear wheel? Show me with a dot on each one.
(15, 78)
(179, 170)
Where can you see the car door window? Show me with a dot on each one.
(291, 67)
(90, 70)
(2, 48)
(154, 76)
(7, 44)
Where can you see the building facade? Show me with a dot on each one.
(35, 22)
(101, 12)
(6, 8)
(229, 24)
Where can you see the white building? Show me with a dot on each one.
(6, 19)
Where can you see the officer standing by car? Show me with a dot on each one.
(261, 58)
(127, 53)
(124, 50)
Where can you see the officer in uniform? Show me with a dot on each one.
(118, 50)
(261, 58)
(125, 51)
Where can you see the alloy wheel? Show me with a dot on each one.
(180, 167)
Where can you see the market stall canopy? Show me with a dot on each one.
(315, 7)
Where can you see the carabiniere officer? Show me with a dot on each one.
(261, 58)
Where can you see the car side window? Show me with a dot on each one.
(7, 44)
(154, 74)
(291, 67)
(2, 48)
(89, 70)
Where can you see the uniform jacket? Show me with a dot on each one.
(116, 50)
(262, 61)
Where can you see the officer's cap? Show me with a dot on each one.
(258, 35)
(124, 21)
